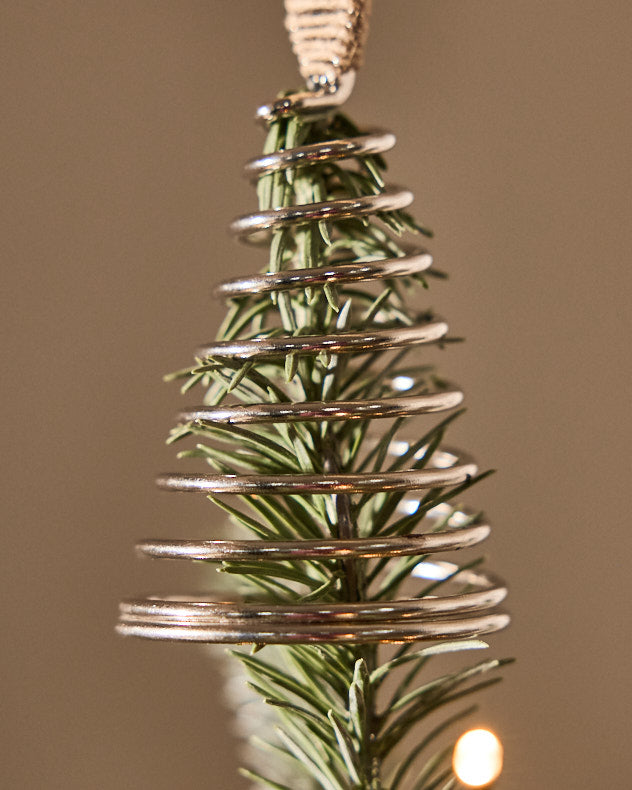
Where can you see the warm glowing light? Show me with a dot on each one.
(478, 758)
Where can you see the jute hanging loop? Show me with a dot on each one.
(327, 37)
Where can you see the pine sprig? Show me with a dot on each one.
(344, 713)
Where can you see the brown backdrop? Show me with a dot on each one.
(125, 124)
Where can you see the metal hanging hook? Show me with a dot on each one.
(327, 37)
(309, 102)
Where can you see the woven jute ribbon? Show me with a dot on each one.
(327, 36)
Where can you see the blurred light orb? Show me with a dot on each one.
(478, 758)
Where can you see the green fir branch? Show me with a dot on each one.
(345, 712)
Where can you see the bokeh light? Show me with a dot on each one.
(478, 758)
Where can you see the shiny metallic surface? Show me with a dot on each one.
(322, 410)
(233, 617)
(467, 604)
(205, 611)
(374, 143)
(319, 101)
(266, 485)
(246, 550)
(314, 633)
(326, 275)
(344, 343)
(391, 199)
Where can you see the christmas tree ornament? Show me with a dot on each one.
(313, 394)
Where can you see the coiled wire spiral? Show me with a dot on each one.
(463, 614)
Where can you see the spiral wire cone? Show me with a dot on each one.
(309, 395)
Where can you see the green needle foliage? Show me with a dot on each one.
(350, 716)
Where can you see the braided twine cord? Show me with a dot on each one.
(327, 36)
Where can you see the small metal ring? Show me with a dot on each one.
(247, 550)
(201, 611)
(391, 199)
(305, 411)
(326, 275)
(348, 342)
(349, 633)
(374, 142)
(266, 485)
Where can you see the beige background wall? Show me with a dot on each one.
(125, 124)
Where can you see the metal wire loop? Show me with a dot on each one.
(391, 199)
(349, 342)
(305, 411)
(196, 613)
(204, 619)
(319, 100)
(340, 273)
(367, 548)
(283, 634)
(265, 485)
(375, 142)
